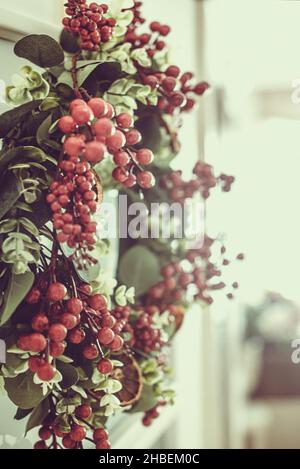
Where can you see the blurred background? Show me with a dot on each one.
(237, 384)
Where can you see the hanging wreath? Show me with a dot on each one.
(104, 113)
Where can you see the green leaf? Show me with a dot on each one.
(17, 289)
(9, 119)
(40, 49)
(69, 373)
(9, 193)
(149, 126)
(21, 154)
(38, 415)
(22, 413)
(69, 42)
(139, 268)
(23, 392)
(29, 226)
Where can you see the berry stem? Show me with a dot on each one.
(74, 75)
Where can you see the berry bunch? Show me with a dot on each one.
(91, 130)
(81, 321)
(50, 430)
(147, 336)
(203, 181)
(89, 23)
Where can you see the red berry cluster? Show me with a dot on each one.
(152, 414)
(146, 336)
(173, 286)
(91, 131)
(89, 23)
(81, 321)
(73, 439)
(203, 181)
(153, 42)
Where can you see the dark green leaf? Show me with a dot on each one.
(21, 154)
(139, 268)
(38, 415)
(40, 49)
(10, 119)
(9, 193)
(69, 374)
(149, 126)
(23, 392)
(41, 212)
(43, 130)
(69, 42)
(22, 413)
(17, 289)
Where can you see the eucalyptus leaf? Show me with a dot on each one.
(69, 42)
(17, 289)
(23, 392)
(139, 268)
(40, 49)
(38, 415)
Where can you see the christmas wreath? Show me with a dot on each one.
(99, 111)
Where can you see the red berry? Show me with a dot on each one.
(103, 127)
(116, 141)
(169, 84)
(67, 124)
(74, 306)
(125, 120)
(103, 444)
(37, 342)
(45, 433)
(90, 352)
(98, 106)
(56, 292)
(120, 174)
(100, 434)
(68, 320)
(73, 146)
(57, 348)
(145, 179)
(165, 30)
(77, 433)
(151, 81)
(83, 411)
(34, 363)
(46, 372)
(145, 156)
(33, 296)
(40, 445)
(97, 302)
(106, 336)
(77, 102)
(178, 99)
(76, 336)
(201, 88)
(58, 332)
(133, 137)
(68, 443)
(110, 112)
(81, 114)
(155, 26)
(40, 322)
(173, 71)
(105, 367)
(95, 151)
(117, 344)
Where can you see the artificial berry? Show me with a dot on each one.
(77, 433)
(90, 352)
(56, 292)
(40, 322)
(74, 306)
(46, 372)
(105, 366)
(57, 332)
(106, 336)
(97, 302)
(83, 412)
